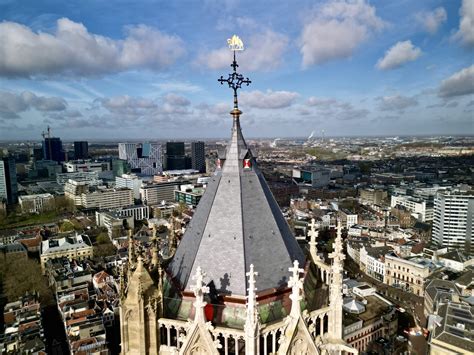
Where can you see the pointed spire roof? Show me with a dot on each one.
(237, 223)
(141, 283)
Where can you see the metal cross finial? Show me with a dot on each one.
(234, 79)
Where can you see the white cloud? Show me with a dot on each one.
(458, 84)
(135, 108)
(352, 114)
(176, 86)
(127, 105)
(396, 102)
(263, 51)
(269, 99)
(432, 20)
(12, 104)
(465, 34)
(324, 103)
(320, 102)
(336, 30)
(176, 100)
(399, 54)
(218, 109)
(73, 50)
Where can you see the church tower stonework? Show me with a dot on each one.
(238, 282)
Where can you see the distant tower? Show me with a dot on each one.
(8, 182)
(175, 157)
(52, 147)
(144, 158)
(81, 150)
(198, 157)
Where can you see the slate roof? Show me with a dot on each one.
(455, 255)
(456, 327)
(237, 223)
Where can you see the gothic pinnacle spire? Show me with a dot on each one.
(235, 80)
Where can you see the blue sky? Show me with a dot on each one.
(148, 69)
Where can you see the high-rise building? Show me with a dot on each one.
(130, 181)
(38, 153)
(198, 157)
(143, 158)
(81, 150)
(175, 148)
(53, 149)
(120, 167)
(452, 221)
(8, 182)
(175, 158)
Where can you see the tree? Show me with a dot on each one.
(63, 204)
(66, 226)
(103, 238)
(22, 275)
(181, 208)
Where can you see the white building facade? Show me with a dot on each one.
(36, 203)
(419, 208)
(452, 223)
(130, 181)
(146, 158)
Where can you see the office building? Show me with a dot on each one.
(89, 177)
(372, 196)
(120, 167)
(44, 169)
(154, 194)
(37, 153)
(8, 182)
(315, 176)
(137, 212)
(53, 149)
(86, 166)
(144, 158)
(175, 158)
(189, 194)
(198, 157)
(452, 222)
(421, 209)
(130, 181)
(115, 223)
(81, 150)
(36, 203)
(103, 198)
(73, 190)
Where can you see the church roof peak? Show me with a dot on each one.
(237, 223)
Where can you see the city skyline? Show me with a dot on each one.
(350, 68)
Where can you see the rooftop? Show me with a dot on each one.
(456, 327)
(61, 244)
